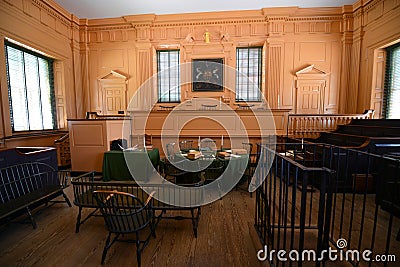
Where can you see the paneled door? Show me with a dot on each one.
(112, 92)
(114, 99)
(310, 96)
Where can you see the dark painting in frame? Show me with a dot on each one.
(207, 75)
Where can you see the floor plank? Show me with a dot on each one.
(225, 238)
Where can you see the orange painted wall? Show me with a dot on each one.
(341, 42)
(46, 27)
(292, 38)
(379, 29)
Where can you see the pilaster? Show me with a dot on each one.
(274, 72)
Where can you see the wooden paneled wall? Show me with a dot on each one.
(44, 26)
(380, 28)
(341, 42)
(292, 38)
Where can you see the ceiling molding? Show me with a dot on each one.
(119, 8)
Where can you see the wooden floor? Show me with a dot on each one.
(226, 237)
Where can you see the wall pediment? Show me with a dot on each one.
(113, 75)
(310, 72)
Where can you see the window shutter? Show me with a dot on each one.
(248, 80)
(30, 89)
(391, 98)
(168, 76)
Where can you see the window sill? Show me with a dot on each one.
(25, 134)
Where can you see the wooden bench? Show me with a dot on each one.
(388, 189)
(377, 122)
(85, 184)
(363, 134)
(369, 130)
(28, 185)
(376, 145)
(388, 193)
(341, 139)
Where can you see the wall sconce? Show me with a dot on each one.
(207, 36)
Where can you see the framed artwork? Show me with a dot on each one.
(207, 74)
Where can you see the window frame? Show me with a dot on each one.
(260, 74)
(178, 100)
(50, 66)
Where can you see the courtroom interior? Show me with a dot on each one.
(207, 133)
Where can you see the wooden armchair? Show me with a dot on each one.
(123, 214)
(213, 172)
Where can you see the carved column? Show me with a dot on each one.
(274, 66)
(144, 71)
(354, 74)
(345, 72)
(274, 73)
(84, 60)
(75, 93)
(142, 25)
(143, 66)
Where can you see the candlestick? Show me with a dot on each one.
(222, 141)
(199, 142)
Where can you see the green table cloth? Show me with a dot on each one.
(144, 163)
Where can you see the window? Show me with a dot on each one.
(392, 83)
(30, 89)
(248, 80)
(168, 76)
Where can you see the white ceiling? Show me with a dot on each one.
(116, 8)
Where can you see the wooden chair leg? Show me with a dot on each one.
(152, 227)
(78, 220)
(138, 251)
(66, 199)
(106, 247)
(33, 222)
(195, 220)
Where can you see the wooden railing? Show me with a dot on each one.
(63, 151)
(311, 125)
